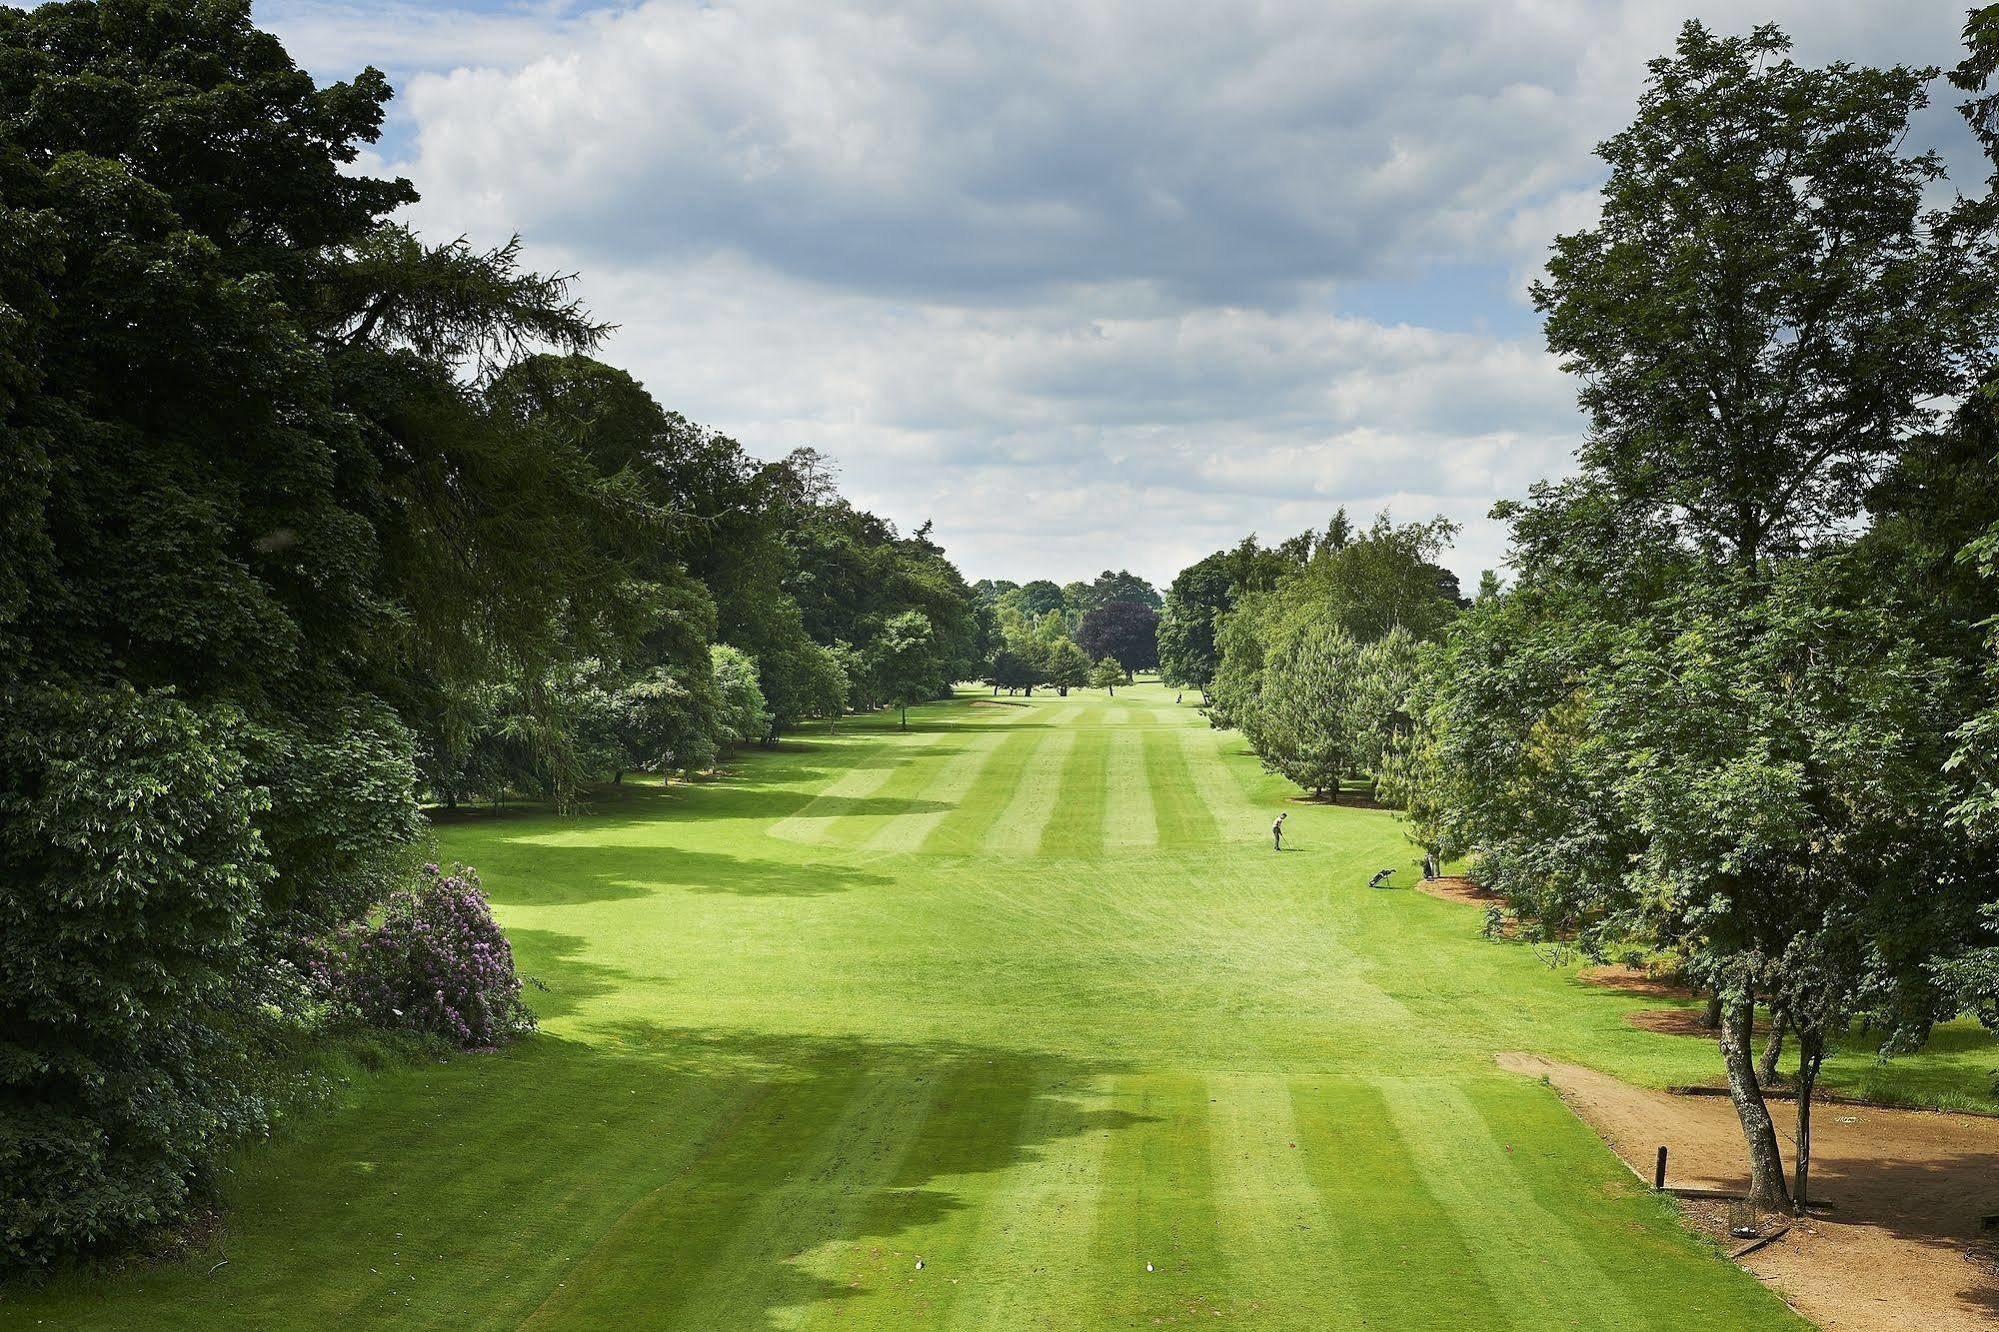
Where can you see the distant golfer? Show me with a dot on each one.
(1277, 832)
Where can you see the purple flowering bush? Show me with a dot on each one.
(435, 963)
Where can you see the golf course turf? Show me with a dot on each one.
(1022, 994)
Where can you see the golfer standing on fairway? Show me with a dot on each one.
(1277, 831)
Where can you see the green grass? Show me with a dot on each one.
(1023, 993)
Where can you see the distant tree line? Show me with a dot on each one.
(305, 521)
(1069, 636)
(1310, 647)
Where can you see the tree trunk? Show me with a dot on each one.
(618, 777)
(905, 717)
(1773, 1050)
(1711, 1018)
(1811, 1053)
(1766, 1163)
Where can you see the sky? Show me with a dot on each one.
(1088, 283)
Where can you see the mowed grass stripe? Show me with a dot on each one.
(942, 790)
(698, 1255)
(1217, 787)
(1531, 1260)
(1128, 815)
(1076, 827)
(1156, 1204)
(1036, 1223)
(852, 789)
(1180, 814)
(1398, 1250)
(906, 792)
(1280, 1244)
(965, 829)
(1021, 823)
(1657, 1265)
(930, 1210)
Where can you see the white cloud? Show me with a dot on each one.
(1071, 278)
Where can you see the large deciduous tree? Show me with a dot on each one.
(1761, 314)
(1126, 630)
(191, 606)
(1692, 721)
(1198, 597)
(905, 663)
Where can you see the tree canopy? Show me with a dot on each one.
(1714, 713)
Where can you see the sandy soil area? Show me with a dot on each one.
(1900, 1248)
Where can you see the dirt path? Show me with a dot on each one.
(1901, 1249)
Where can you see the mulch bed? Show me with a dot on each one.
(1457, 888)
(1631, 980)
(1680, 1022)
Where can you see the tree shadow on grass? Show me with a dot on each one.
(764, 788)
(572, 875)
(828, 1149)
(559, 979)
(673, 1177)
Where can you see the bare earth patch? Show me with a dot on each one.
(1680, 1022)
(1900, 1249)
(1630, 980)
(1457, 888)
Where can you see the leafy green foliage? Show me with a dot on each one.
(1759, 313)
(131, 877)
(1314, 667)
(1067, 665)
(743, 716)
(1125, 630)
(906, 664)
(1199, 596)
(1710, 718)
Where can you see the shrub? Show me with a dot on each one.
(436, 963)
(130, 870)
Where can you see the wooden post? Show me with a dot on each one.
(1659, 1171)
